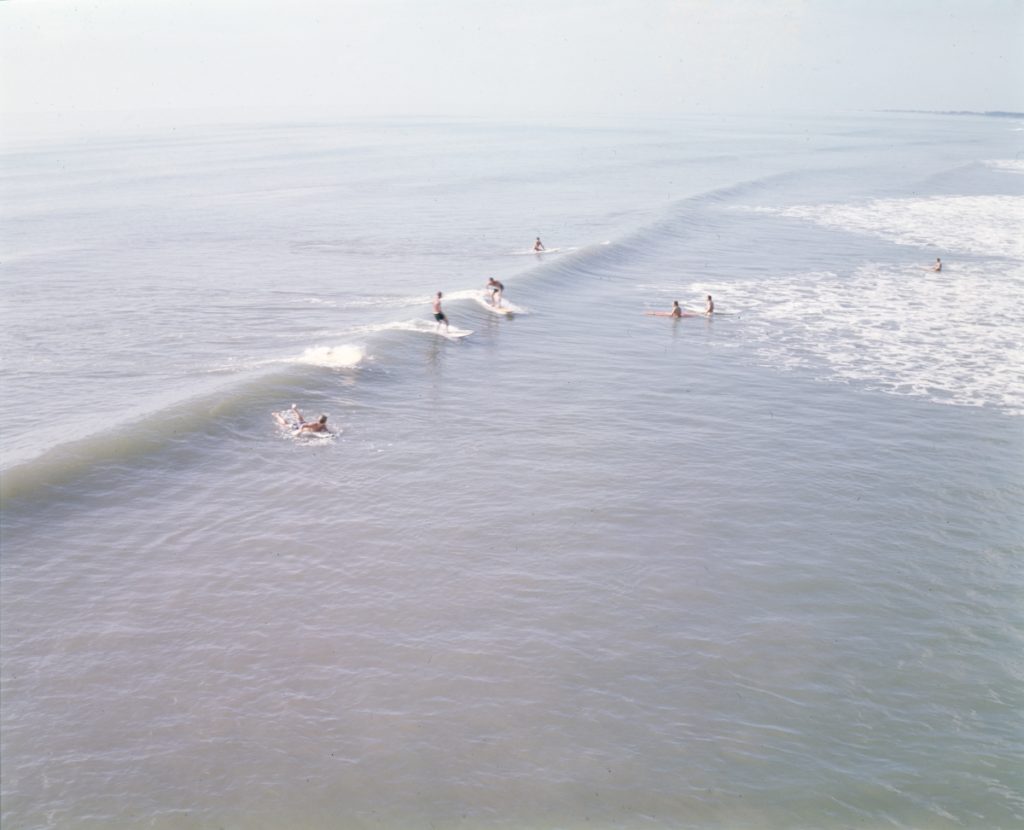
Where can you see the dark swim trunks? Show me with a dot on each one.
(439, 316)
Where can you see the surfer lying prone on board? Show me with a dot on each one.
(299, 424)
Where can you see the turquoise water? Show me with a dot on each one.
(580, 567)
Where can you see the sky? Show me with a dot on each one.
(525, 59)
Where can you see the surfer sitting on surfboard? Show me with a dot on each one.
(538, 245)
(300, 424)
(496, 289)
(676, 311)
(438, 314)
(938, 264)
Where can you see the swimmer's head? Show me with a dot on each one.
(323, 419)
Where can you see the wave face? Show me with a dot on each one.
(574, 562)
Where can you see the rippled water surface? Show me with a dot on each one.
(583, 567)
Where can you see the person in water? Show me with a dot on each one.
(300, 424)
(538, 245)
(438, 314)
(709, 307)
(676, 311)
(496, 290)
(938, 264)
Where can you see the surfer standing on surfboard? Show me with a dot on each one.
(709, 308)
(538, 245)
(438, 314)
(496, 290)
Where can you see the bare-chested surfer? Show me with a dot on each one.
(299, 424)
(438, 314)
(538, 246)
(676, 311)
(938, 264)
(709, 306)
(496, 289)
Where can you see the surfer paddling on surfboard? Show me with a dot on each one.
(496, 289)
(538, 246)
(440, 315)
(297, 423)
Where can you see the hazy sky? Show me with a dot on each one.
(521, 58)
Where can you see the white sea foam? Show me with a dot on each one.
(332, 357)
(568, 250)
(989, 225)
(1012, 165)
(414, 300)
(954, 337)
(417, 326)
(463, 294)
(386, 301)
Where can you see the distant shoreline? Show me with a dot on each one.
(989, 114)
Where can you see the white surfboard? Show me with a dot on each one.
(545, 251)
(288, 427)
(454, 334)
(506, 309)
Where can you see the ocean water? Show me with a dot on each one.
(583, 567)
